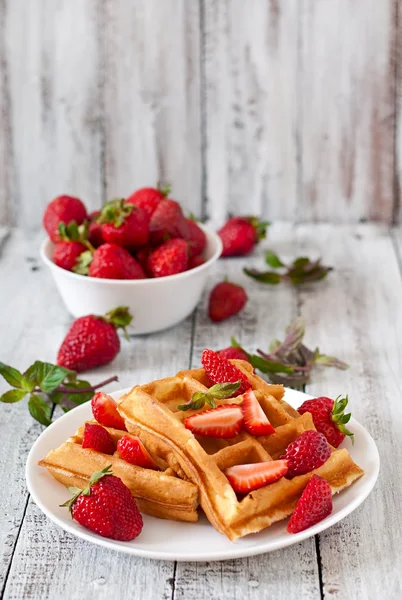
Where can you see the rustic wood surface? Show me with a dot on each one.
(287, 109)
(354, 314)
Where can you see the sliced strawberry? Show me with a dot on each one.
(98, 438)
(220, 370)
(255, 420)
(132, 450)
(104, 410)
(246, 478)
(314, 505)
(225, 421)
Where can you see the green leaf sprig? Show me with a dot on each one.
(301, 270)
(290, 362)
(47, 384)
(219, 391)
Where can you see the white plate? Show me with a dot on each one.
(172, 540)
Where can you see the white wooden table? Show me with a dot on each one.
(355, 314)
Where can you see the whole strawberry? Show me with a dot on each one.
(196, 238)
(110, 261)
(124, 224)
(148, 198)
(308, 451)
(225, 300)
(196, 261)
(231, 353)
(74, 241)
(63, 209)
(106, 507)
(167, 222)
(92, 341)
(169, 259)
(220, 370)
(314, 505)
(95, 236)
(240, 234)
(329, 418)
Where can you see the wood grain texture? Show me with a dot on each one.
(152, 97)
(6, 153)
(397, 216)
(250, 66)
(53, 106)
(347, 110)
(355, 315)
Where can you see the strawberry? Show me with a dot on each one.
(239, 235)
(167, 222)
(104, 410)
(124, 224)
(196, 238)
(95, 236)
(63, 209)
(148, 198)
(220, 370)
(308, 451)
(106, 507)
(92, 341)
(246, 478)
(132, 450)
(142, 256)
(170, 258)
(66, 254)
(231, 353)
(255, 420)
(196, 261)
(314, 505)
(329, 418)
(225, 421)
(98, 438)
(110, 261)
(226, 299)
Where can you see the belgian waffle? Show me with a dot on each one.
(150, 411)
(157, 493)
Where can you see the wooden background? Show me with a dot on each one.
(289, 109)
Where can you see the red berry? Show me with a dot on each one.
(256, 421)
(220, 370)
(196, 238)
(132, 450)
(232, 353)
(98, 438)
(63, 209)
(95, 230)
(124, 224)
(240, 234)
(196, 261)
(225, 421)
(66, 254)
(168, 259)
(226, 300)
(167, 222)
(308, 451)
(314, 505)
(249, 477)
(148, 198)
(329, 418)
(110, 261)
(104, 410)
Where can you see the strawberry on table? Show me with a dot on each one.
(308, 451)
(232, 353)
(239, 235)
(314, 505)
(255, 420)
(148, 198)
(246, 478)
(92, 341)
(329, 418)
(124, 224)
(220, 370)
(167, 222)
(106, 507)
(225, 421)
(98, 438)
(132, 450)
(169, 259)
(196, 238)
(226, 299)
(63, 209)
(110, 261)
(104, 410)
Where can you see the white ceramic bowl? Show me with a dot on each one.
(154, 303)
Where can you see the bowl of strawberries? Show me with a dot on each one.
(140, 252)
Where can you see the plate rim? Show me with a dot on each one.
(233, 553)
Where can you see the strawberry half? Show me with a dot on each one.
(246, 478)
(255, 420)
(314, 505)
(98, 438)
(104, 410)
(307, 452)
(220, 370)
(225, 421)
(133, 451)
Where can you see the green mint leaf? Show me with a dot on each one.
(197, 401)
(274, 345)
(224, 390)
(65, 399)
(39, 410)
(273, 260)
(29, 378)
(294, 336)
(301, 262)
(268, 277)
(48, 376)
(210, 400)
(13, 396)
(267, 366)
(330, 361)
(11, 375)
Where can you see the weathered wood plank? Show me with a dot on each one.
(290, 573)
(250, 64)
(52, 77)
(6, 154)
(355, 314)
(152, 97)
(347, 110)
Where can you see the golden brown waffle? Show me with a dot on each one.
(158, 493)
(151, 411)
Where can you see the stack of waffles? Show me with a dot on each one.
(192, 468)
